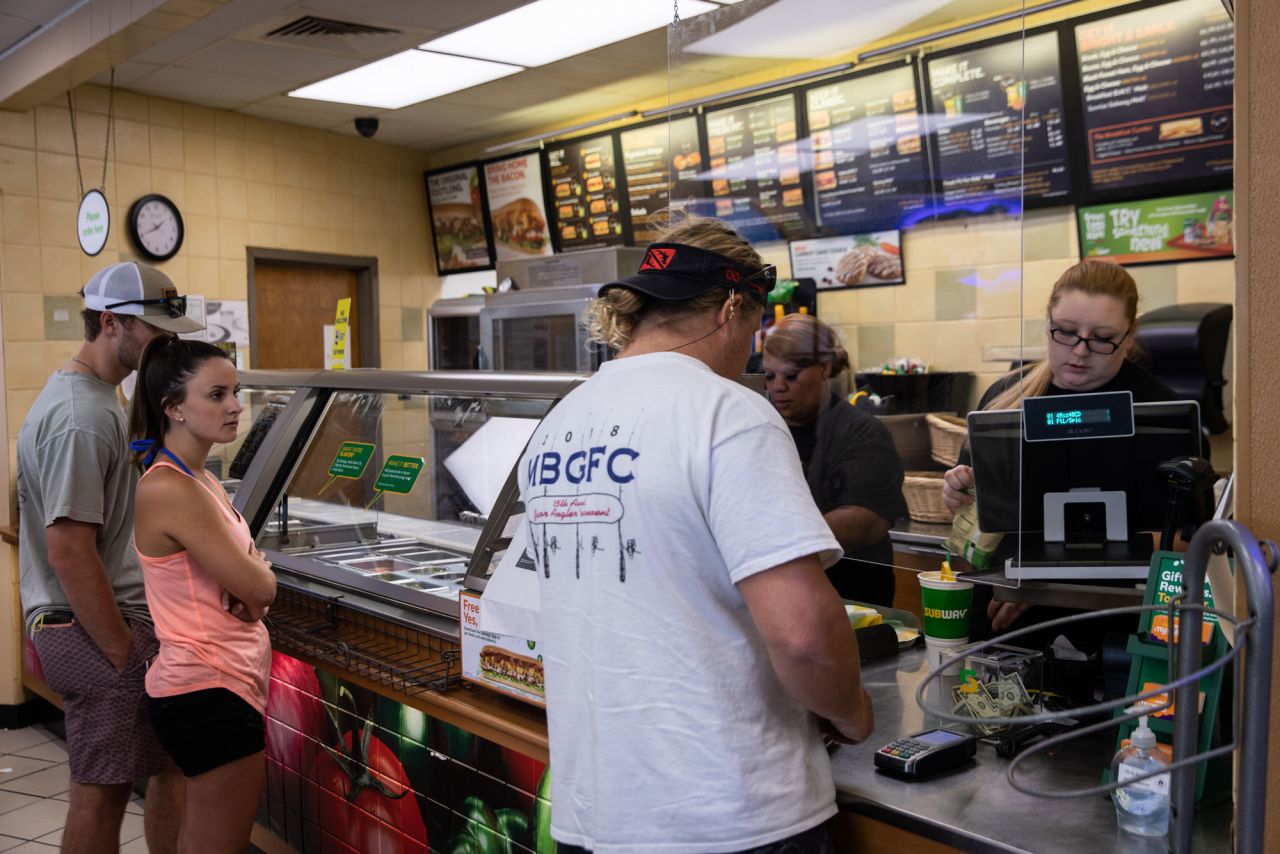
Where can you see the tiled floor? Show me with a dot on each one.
(33, 795)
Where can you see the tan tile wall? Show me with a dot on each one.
(972, 282)
(238, 181)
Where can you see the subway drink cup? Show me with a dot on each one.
(945, 607)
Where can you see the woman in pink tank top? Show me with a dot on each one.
(208, 588)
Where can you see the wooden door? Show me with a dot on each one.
(291, 305)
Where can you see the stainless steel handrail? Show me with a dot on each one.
(1253, 570)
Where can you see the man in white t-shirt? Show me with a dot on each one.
(692, 644)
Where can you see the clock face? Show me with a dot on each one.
(156, 226)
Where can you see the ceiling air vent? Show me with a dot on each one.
(328, 33)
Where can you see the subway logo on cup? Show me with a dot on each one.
(945, 607)
(947, 614)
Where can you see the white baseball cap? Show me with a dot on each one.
(130, 288)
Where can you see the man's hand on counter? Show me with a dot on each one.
(854, 730)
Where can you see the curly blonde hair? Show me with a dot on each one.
(614, 317)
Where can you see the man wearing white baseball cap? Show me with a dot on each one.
(82, 594)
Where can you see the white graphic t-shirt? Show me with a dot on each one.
(649, 492)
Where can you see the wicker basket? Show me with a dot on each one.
(923, 493)
(947, 435)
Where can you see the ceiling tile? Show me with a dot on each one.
(175, 47)
(236, 16)
(127, 74)
(435, 15)
(38, 11)
(453, 113)
(276, 62)
(317, 114)
(12, 29)
(201, 87)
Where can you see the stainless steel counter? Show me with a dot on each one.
(919, 535)
(973, 808)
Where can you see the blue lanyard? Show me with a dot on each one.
(140, 445)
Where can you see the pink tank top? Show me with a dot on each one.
(201, 645)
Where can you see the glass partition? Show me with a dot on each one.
(931, 174)
(392, 489)
(913, 182)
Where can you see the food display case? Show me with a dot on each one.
(373, 488)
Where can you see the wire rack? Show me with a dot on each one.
(377, 650)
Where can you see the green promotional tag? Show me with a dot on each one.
(398, 475)
(349, 462)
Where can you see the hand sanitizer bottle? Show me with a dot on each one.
(1141, 807)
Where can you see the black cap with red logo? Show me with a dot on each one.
(674, 271)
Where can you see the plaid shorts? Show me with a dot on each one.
(109, 735)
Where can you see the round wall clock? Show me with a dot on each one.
(155, 226)
(93, 222)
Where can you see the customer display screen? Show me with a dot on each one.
(1078, 416)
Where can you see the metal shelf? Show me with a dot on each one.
(382, 652)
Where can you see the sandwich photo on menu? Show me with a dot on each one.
(519, 671)
(519, 225)
(458, 233)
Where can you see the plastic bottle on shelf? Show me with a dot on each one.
(1142, 807)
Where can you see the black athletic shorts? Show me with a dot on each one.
(206, 729)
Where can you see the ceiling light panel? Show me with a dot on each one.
(405, 78)
(547, 30)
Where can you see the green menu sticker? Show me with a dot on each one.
(399, 474)
(351, 460)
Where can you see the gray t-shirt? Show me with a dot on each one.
(73, 463)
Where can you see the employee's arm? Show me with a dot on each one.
(73, 555)
(856, 527)
(815, 657)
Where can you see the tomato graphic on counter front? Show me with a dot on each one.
(295, 712)
(363, 799)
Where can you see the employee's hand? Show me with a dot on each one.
(1004, 614)
(955, 485)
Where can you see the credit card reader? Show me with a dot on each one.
(925, 753)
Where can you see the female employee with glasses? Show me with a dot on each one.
(1091, 324)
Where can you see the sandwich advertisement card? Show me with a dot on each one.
(517, 213)
(457, 220)
(504, 663)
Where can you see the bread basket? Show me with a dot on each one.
(923, 493)
(947, 435)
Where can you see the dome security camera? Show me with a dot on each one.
(366, 126)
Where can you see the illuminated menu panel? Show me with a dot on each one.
(754, 168)
(1156, 87)
(869, 166)
(586, 204)
(998, 113)
(660, 163)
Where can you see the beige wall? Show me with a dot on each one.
(972, 282)
(239, 182)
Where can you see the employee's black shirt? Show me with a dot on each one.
(849, 459)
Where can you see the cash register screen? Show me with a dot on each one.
(1011, 475)
(937, 736)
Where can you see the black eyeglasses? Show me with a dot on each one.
(763, 279)
(176, 305)
(1101, 346)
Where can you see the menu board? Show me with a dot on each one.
(457, 220)
(661, 164)
(869, 167)
(754, 167)
(586, 202)
(999, 114)
(1178, 228)
(1156, 86)
(856, 261)
(516, 212)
